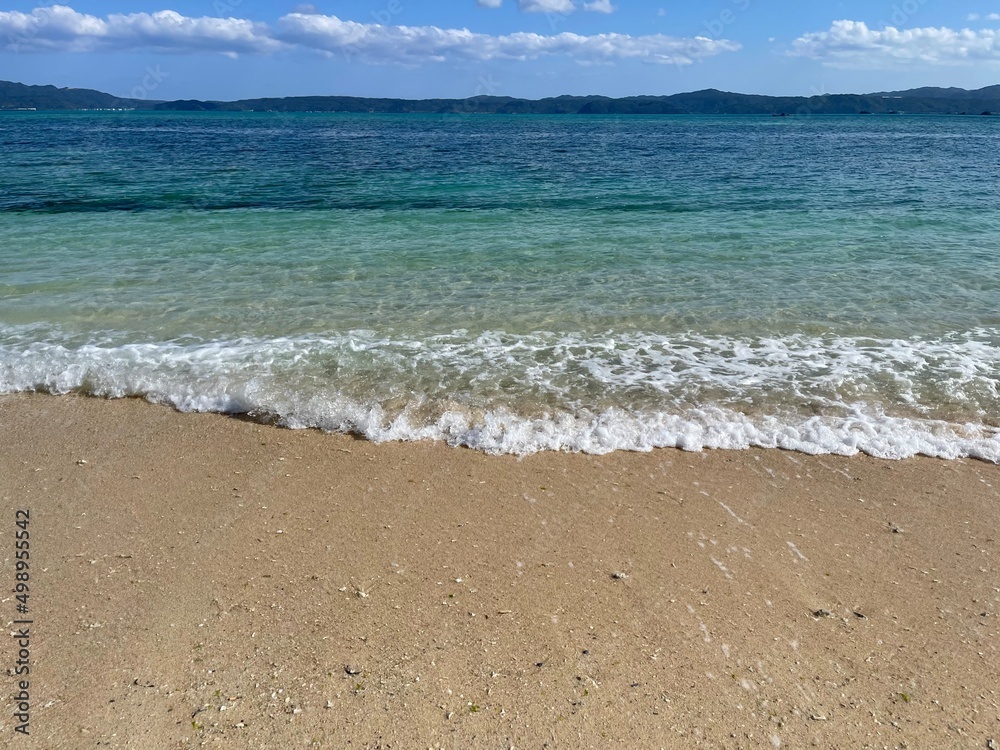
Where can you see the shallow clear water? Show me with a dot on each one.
(825, 284)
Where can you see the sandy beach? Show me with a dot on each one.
(203, 581)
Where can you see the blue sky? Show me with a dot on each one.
(230, 49)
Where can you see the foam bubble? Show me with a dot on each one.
(504, 393)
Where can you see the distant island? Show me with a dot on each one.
(929, 100)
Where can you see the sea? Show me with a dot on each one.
(515, 284)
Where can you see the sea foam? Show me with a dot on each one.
(504, 393)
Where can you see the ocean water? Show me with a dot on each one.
(516, 283)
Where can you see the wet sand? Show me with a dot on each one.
(201, 581)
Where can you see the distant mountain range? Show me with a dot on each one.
(926, 100)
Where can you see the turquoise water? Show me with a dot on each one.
(515, 284)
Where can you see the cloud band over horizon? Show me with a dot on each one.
(853, 44)
(59, 28)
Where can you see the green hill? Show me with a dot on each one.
(20, 96)
(710, 101)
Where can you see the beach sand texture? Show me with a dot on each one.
(202, 581)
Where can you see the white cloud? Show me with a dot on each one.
(853, 44)
(600, 6)
(489, 3)
(415, 44)
(62, 29)
(546, 6)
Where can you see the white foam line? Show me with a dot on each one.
(398, 389)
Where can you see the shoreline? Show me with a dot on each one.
(200, 580)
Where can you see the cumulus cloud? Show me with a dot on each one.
(60, 28)
(489, 3)
(854, 44)
(413, 44)
(600, 6)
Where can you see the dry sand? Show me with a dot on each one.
(197, 580)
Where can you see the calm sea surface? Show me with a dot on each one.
(515, 284)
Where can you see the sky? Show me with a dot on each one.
(233, 49)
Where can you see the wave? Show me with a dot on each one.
(506, 393)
